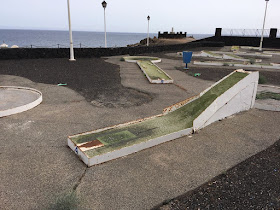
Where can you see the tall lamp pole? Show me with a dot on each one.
(70, 34)
(104, 5)
(261, 44)
(148, 39)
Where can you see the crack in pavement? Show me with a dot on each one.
(80, 180)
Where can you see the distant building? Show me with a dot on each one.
(172, 35)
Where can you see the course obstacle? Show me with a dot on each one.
(232, 94)
(148, 66)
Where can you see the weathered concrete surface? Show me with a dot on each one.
(36, 164)
(14, 99)
(268, 104)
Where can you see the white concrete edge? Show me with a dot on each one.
(127, 59)
(231, 57)
(275, 64)
(155, 81)
(271, 53)
(171, 79)
(22, 108)
(206, 54)
(115, 126)
(271, 86)
(243, 54)
(230, 93)
(252, 102)
(77, 151)
(176, 106)
(254, 96)
(127, 150)
(189, 100)
(236, 65)
(216, 83)
(208, 63)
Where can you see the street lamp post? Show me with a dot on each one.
(148, 39)
(70, 34)
(104, 5)
(261, 44)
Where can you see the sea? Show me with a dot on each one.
(84, 39)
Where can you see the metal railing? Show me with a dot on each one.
(58, 46)
(246, 32)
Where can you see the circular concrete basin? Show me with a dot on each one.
(14, 100)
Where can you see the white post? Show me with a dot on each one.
(70, 35)
(105, 28)
(261, 44)
(148, 38)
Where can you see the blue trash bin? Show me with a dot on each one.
(187, 57)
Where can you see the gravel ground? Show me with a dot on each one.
(106, 90)
(252, 184)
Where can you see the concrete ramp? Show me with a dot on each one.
(234, 93)
(238, 98)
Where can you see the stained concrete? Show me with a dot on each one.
(12, 97)
(37, 166)
(268, 104)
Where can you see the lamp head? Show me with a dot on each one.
(148, 18)
(104, 4)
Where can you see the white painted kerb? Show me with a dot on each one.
(22, 108)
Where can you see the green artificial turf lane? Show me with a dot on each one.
(153, 71)
(142, 58)
(177, 120)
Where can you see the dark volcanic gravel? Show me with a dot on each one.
(215, 74)
(252, 184)
(99, 82)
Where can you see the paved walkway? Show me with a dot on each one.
(268, 104)
(37, 166)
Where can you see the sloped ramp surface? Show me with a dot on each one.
(234, 93)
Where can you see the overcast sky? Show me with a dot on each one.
(196, 16)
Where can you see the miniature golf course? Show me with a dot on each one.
(99, 144)
(151, 71)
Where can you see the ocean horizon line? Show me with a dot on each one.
(62, 30)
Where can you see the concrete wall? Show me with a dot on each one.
(240, 97)
(245, 41)
(268, 42)
(35, 53)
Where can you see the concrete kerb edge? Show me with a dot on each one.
(234, 65)
(126, 150)
(155, 81)
(22, 108)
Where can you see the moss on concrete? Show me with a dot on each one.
(268, 95)
(142, 58)
(177, 120)
(153, 71)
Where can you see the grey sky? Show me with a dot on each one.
(196, 16)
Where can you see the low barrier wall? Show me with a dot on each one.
(35, 53)
(245, 41)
